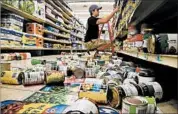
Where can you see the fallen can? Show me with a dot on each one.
(134, 105)
(79, 107)
(10, 77)
(33, 78)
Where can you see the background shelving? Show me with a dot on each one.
(64, 26)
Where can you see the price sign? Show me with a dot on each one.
(158, 58)
(146, 56)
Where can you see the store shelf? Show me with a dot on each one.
(53, 40)
(167, 60)
(56, 20)
(57, 34)
(56, 26)
(24, 48)
(21, 13)
(76, 36)
(35, 48)
(60, 10)
(63, 8)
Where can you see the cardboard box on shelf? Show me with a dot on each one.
(39, 8)
(29, 40)
(35, 28)
(6, 34)
(12, 21)
(39, 41)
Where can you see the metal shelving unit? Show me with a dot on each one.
(167, 60)
(65, 16)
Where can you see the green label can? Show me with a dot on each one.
(134, 105)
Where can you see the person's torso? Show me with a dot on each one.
(92, 29)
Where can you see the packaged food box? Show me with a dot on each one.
(39, 41)
(6, 34)
(39, 8)
(29, 40)
(95, 92)
(35, 28)
(12, 21)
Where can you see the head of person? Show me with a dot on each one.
(94, 10)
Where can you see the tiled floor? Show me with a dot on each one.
(19, 92)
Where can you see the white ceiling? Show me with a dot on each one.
(80, 9)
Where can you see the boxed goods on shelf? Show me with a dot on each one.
(12, 21)
(39, 41)
(39, 8)
(48, 11)
(27, 6)
(49, 28)
(48, 45)
(10, 38)
(57, 46)
(6, 34)
(15, 56)
(51, 36)
(29, 40)
(34, 28)
(14, 3)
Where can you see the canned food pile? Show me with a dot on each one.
(87, 83)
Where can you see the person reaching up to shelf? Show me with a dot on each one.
(92, 33)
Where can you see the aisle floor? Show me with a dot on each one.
(19, 92)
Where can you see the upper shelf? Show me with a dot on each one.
(63, 8)
(167, 60)
(161, 14)
(21, 13)
(59, 9)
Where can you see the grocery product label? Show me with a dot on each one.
(89, 107)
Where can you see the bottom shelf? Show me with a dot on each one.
(38, 48)
(167, 60)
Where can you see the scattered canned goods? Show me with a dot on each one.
(113, 97)
(155, 89)
(143, 76)
(10, 77)
(107, 110)
(82, 63)
(128, 81)
(134, 105)
(33, 78)
(101, 62)
(79, 107)
(79, 73)
(39, 68)
(128, 90)
(130, 74)
(151, 108)
(90, 72)
(54, 77)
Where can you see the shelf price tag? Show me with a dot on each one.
(146, 56)
(137, 54)
(158, 58)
